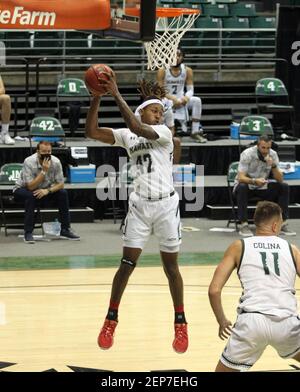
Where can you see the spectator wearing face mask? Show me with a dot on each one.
(41, 183)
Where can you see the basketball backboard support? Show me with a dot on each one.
(104, 17)
(124, 25)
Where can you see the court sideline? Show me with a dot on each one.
(49, 319)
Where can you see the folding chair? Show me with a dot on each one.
(231, 175)
(274, 88)
(46, 128)
(70, 96)
(255, 126)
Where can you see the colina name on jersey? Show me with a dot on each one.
(266, 245)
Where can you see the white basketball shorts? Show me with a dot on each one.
(160, 216)
(253, 332)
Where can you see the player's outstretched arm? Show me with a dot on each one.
(92, 131)
(222, 273)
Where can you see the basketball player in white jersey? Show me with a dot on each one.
(154, 205)
(177, 79)
(267, 312)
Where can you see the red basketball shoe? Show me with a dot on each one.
(106, 335)
(181, 340)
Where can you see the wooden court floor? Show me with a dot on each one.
(49, 319)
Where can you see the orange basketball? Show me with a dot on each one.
(92, 76)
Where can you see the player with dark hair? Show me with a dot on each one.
(154, 204)
(267, 312)
(179, 82)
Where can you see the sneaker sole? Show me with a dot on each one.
(70, 239)
(179, 352)
(104, 349)
(29, 242)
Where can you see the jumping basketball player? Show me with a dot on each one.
(154, 205)
(267, 312)
(176, 79)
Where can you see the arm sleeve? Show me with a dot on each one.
(164, 133)
(169, 118)
(244, 163)
(59, 175)
(27, 173)
(189, 90)
(276, 159)
(119, 135)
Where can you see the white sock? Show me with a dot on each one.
(195, 127)
(4, 129)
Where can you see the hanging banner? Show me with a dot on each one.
(54, 14)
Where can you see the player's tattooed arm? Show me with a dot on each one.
(92, 130)
(132, 122)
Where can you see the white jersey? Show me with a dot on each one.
(175, 84)
(267, 273)
(151, 161)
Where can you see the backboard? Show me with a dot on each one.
(124, 25)
(106, 17)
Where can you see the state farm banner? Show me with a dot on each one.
(54, 14)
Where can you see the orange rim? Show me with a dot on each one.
(162, 12)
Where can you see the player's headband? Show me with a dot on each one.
(145, 104)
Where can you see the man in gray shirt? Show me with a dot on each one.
(42, 182)
(255, 166)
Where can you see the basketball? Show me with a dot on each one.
(92, 76)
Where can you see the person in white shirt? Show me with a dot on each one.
(267, 267)
(179, 82)
(5, 110)
(170, 123)
(255, 166)
(154, 204)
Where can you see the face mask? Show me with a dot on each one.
(45, 156)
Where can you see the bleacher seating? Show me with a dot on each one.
(208, 41)
(18, 43)
(241, 41)
(215, 10)
(219, 97)
(76, 43)
(242, 9)
(264, 40)
(48, 43)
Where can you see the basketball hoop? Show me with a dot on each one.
(171, 25)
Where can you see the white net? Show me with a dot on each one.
(162, 51)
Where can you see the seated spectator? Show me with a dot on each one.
(42, 183)
(253, 179)
(5, 110)
(169, 122)
(177, 79)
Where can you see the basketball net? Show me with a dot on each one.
(162, 51)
